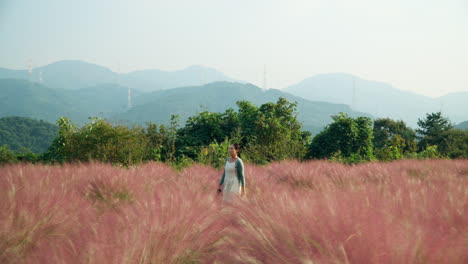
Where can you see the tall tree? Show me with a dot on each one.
(204, 128)
(454, 143)
(393, 134)
(266, 133)
(346, 137)
(278, 133)
(431, 128)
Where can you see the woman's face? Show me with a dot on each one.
(232, 151)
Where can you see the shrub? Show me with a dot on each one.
(430, 152)
(6, 155)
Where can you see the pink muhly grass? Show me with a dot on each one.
(365, 213)
(398, 212)
(35, 212)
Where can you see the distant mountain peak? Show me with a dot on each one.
(335, 74)
(197, 67)
(72, 64)
(200, 68)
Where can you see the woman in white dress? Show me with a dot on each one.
(233, 177)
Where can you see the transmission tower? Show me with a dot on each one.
(30, 69)
(353, 100)
(129, 98)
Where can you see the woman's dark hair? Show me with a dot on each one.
(237, 148)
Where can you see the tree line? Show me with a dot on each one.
(20, 133)
(270, 132)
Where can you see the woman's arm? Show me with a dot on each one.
(224, 175)
(222, 178)
(240, 173)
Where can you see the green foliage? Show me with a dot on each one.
(171, 138)
(393, 139)
(26, 155)
(22, 132)
(346, 137)
(388, 153)
(431, 152)
(214, 154)
(431, 128)
(181, 163)
(98, 140)
(248, 116)
(388, 132)
(219, 96)
(64, 145)
(156, 136)
(161, 141)
(7, 156)
(454, 143)
(204, 128)
(266, 133)
(272, 131)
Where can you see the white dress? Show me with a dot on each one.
(232, 186)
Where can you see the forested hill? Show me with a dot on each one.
(18, 132)
(463, 125)
(28, 99)
(219, 96)
(103, 92)
(34, 100)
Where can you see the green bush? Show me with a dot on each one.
(388, 153)
(345, 138)
(100, 141)
(431, 152)
(26, 155)
(7, 156)
(214, 154)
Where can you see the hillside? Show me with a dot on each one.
(74, 74)
(462, 125)
(18, 132)
(217, 97)
(100, 100)
(151, 80)
(29, 99)
(454, 105)
(379, 99)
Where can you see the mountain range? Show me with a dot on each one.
(24, 98)
(219, 96)
(28, 99)
(380, 99)
(79, 89)
(72, 74)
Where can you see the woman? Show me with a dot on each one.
(233, 176)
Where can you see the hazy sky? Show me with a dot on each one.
(417, 45)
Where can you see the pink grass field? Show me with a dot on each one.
(314, 212)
